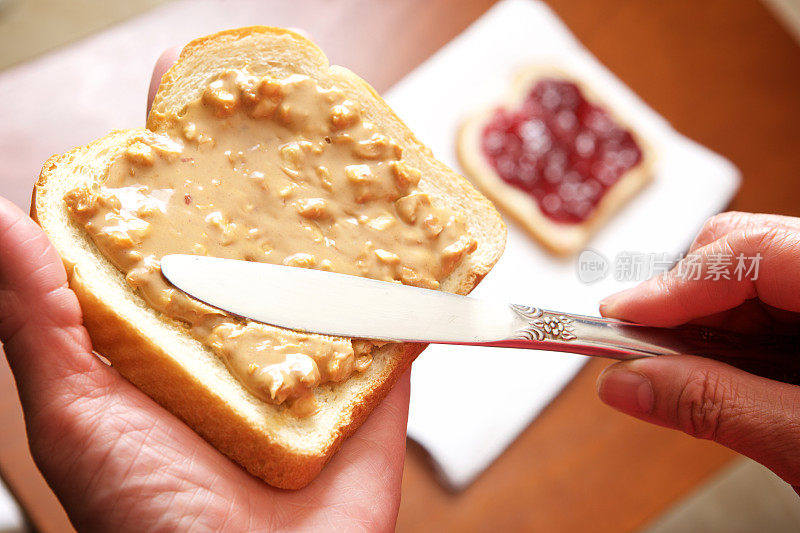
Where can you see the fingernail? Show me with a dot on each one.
(607, 302)
(630, 392)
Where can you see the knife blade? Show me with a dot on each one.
(337, 304)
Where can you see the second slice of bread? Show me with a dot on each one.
(559, 238)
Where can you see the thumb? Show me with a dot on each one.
(754, 416)
(163, 63)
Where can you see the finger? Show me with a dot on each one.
(710, 400)
(364, 477)
(677, 298)
(753, 316)
(720, 225)
(39, 315)
(749, 317)
(380, 441)
(163, 63)
(41, 329)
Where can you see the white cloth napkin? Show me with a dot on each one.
(468, 404)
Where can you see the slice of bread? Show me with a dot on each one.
(160, 357)
(559, 238)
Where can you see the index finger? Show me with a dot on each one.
(720, 225)
(677, 298)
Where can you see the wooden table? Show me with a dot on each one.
(723, 72)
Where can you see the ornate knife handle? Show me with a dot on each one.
(773, 356)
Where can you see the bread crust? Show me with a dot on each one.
(124, 340)
(558, 238)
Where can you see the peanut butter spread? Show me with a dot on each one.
(279, 171)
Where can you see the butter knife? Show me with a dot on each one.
(315, 301)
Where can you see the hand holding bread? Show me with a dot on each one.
(117, 460)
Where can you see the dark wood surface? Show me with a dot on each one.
(723, 72)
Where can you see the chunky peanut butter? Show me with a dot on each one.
(279, 171)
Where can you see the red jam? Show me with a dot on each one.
(561, 149)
